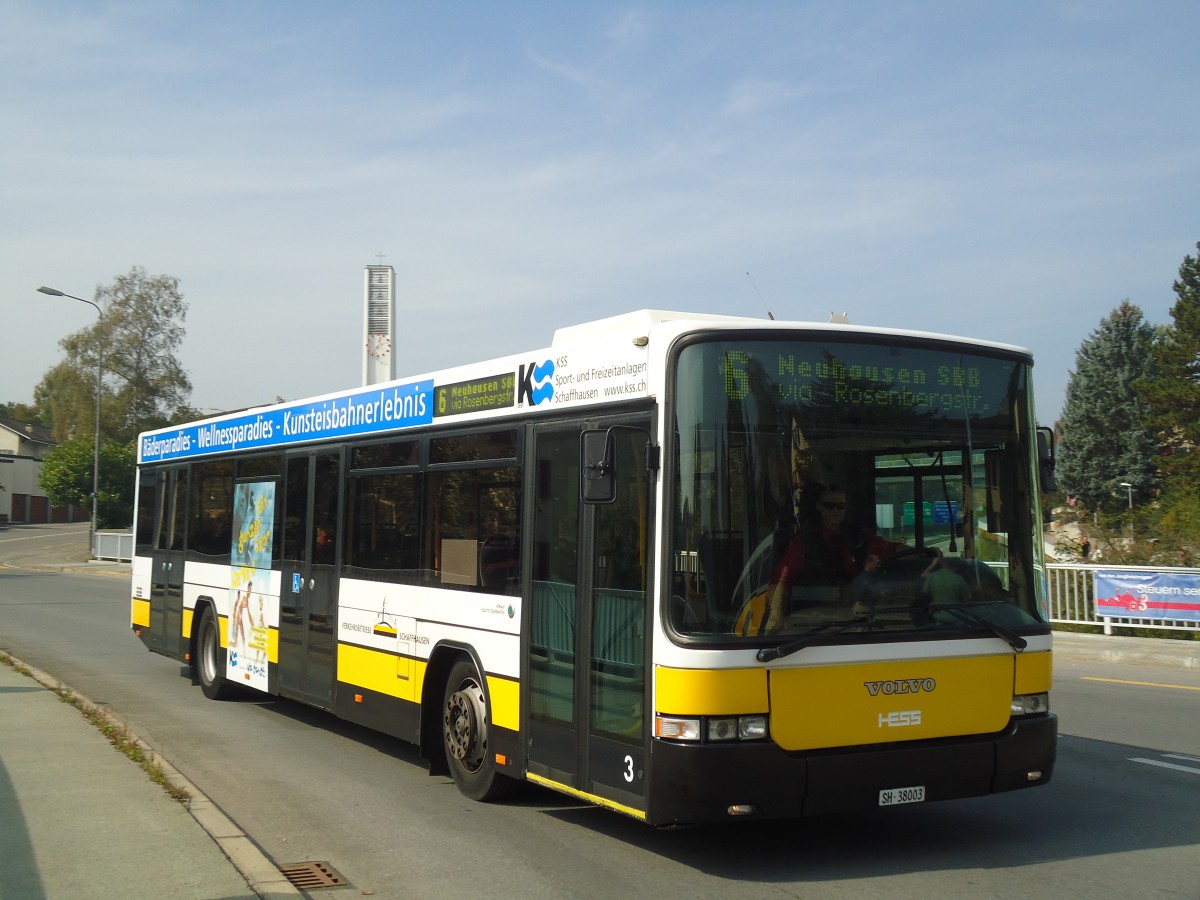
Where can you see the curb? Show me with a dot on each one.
(262, 876)
(84, 568)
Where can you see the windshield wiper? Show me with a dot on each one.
(1014, 640)
(766, 654)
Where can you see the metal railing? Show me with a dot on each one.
(114, 545)
(1070, 589)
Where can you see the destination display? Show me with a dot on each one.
(844, 376)
(476, 395)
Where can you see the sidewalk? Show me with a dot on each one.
(79, 819)
(1124, 650)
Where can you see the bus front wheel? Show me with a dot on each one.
(465, 727)
(210, 657)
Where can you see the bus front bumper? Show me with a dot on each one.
(715, 782)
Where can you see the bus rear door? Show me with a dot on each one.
(308, 587)
(166, 580)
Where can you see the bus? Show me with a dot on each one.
(564, 567)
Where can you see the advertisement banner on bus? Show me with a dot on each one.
(365, 412)
(253, 611)
(1147, 595)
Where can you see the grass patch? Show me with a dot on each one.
(14, 665)
(117, 735)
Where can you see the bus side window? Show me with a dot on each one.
(473, 519)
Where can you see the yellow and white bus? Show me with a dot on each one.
(568, 566)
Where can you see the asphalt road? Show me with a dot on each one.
(1119, 820)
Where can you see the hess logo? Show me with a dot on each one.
(900, 718)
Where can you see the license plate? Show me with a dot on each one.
(896, 796)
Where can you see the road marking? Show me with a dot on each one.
(1178, 687)
(44, 534)
(1195, 759)
(1169, 765)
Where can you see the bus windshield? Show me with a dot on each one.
(852, 489)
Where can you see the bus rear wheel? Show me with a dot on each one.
(465, 728)
(210, 657)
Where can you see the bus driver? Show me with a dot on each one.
(834, 553)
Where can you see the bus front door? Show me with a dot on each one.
(585, 718)
(308, 587)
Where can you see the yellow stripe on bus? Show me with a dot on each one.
(583, 795)
(377, 671)
(140, 614)
(1034, 673)
(383, 673)
(710, 692)
(506, 702)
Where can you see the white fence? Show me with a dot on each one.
(116, 545)
(1072, 601)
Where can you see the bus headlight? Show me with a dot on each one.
(717, 729)
(1030, 704)
(752, 728)
(673, 728)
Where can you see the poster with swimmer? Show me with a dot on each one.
(253, 607)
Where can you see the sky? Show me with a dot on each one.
(1009, 171)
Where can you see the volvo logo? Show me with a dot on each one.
(900, 686)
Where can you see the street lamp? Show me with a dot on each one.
(1129, 493)
(53, 292)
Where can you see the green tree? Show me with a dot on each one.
(67, 473)
(1105, 440)
(138, 337)
(22, 412)
(66, 399)
(1172, 391)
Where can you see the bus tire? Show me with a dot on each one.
(465, 727)
(210, 657)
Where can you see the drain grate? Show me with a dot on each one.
(309, 876)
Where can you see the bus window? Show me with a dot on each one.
(382, 536)
(211, 511)
(473, 519)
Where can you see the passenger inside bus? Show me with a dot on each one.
(942, 585)
(831, 552)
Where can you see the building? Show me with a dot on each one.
(23, 446)
(379, 324)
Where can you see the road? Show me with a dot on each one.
(1119, 820)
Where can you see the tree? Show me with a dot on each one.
(67, 473)
(22, 412)
(1172, 392)
(66, 399)
(1104, 436)
(144, 385)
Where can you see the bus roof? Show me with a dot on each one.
(643, 321)
(593, 363)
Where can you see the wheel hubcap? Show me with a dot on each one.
(463, 725)
(208, 654)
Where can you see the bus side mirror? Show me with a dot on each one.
(1045, 449)
(597, 478)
